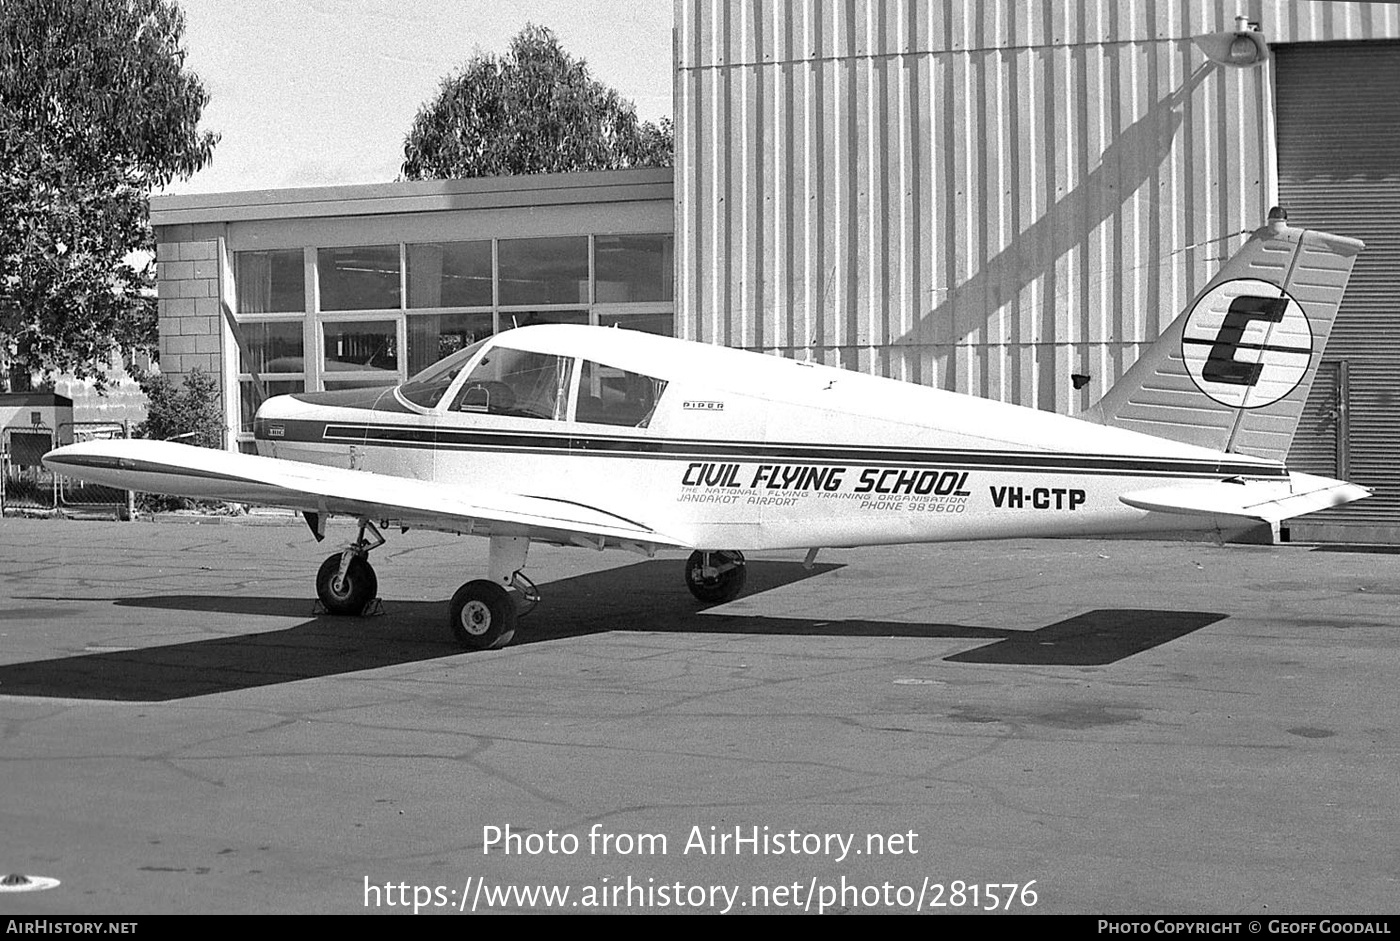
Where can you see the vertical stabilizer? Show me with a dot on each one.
(1233, 371)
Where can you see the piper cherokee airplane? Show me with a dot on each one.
(603, 438)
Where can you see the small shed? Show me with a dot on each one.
(32, 424)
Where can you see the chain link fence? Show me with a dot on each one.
(75, 494)
(24, 481)
(25, 484)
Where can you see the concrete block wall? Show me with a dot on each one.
(191, 325)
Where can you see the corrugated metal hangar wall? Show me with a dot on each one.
(981, 196)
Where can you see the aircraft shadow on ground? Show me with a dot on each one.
(648, 596)
(1363, 549)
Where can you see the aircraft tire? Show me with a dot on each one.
(483, 615)
(726, 586)
(361, 585)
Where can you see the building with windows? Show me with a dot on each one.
(343, 287)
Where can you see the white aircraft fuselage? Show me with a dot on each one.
(754, 452)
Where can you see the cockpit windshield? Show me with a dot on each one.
(428, 386)
(517, 383)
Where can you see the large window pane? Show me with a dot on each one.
(270, 282)
(528, 318)
(633, 268)
(275, 347)
(360, 382)
(660, 324)
(434, 336)
(449, 274)
(365, 277)
(274, 387)
(544, 271)
(370, 346)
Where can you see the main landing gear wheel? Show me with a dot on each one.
(350, 594)
(715, 577)
(483, 615)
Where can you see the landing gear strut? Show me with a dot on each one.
(346, 582)
(483, 611)
(715, 577)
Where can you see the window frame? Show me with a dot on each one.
(314, 319)
(242, 376)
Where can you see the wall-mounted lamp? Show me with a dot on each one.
(1242, 48)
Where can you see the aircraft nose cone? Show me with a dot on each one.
(56, 456)
(270, 420)
(279, 406)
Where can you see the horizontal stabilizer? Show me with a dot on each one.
(1258, 500)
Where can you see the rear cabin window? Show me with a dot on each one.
(516, 383)
(611, 396)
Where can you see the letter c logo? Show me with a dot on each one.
(1246, 343)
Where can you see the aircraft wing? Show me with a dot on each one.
(1259, 501)
(201, 473)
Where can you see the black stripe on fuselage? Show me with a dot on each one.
(457, 439)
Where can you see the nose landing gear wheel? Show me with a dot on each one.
(715, 577)
(483, 615)
(349, 595)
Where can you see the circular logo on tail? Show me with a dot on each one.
(1247, 343)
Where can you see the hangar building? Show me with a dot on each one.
(993, 197)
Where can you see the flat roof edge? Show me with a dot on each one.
(416, 196)
(33, 399)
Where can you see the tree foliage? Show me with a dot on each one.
(534, 110)
(96, 110)
(188, 411)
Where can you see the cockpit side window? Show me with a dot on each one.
(611, 396)
(428, 386)
(517, 383)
